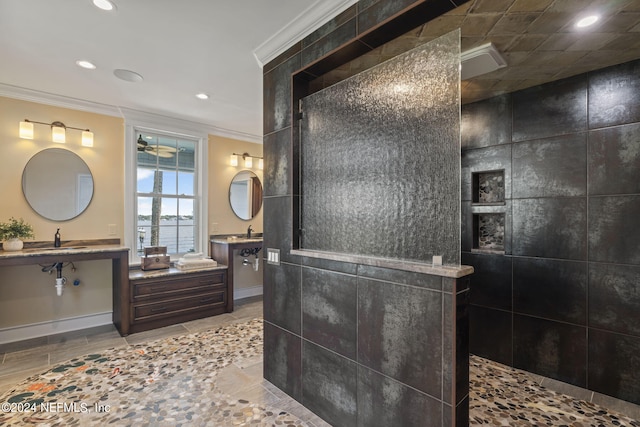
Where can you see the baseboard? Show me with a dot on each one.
(42, 329)
(247, 292)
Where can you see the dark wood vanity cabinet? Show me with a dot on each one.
(162, 300)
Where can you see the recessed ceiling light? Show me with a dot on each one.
(104, 4)
(202, 96)
(587, 21)
(85, 64)
(128, 76)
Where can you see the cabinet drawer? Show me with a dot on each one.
(148, 288)
(176, 306)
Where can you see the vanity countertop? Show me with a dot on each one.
(237, 240)
(38, 252)
(140, 274)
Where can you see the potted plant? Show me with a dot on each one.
(13, 231)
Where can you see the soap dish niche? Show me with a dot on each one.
(488, 232)
(488, 188)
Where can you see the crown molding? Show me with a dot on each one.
(159, 121)
(301, 26)
(46, 98)
(183, 126)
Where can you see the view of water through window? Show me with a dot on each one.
(166, 190)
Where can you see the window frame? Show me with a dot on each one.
(173, 129)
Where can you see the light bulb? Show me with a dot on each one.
(233, 160)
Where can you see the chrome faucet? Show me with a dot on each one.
(249, 230)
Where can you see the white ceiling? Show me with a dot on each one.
(181, 48)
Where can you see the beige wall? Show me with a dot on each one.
(220, 175)
(28, 294)
(105, 160)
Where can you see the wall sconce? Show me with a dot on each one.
(248, 160)
(58, 132)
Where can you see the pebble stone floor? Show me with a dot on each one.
(503, 396)
(168, 382)
(186, 380)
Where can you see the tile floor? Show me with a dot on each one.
(243, 379)
(238, 380)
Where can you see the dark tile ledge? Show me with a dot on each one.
(453, 271)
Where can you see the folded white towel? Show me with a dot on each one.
(194, 255)
(194, 264)
(192, 261)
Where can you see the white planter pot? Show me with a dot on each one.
(12, 244)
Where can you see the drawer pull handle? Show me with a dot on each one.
(206, 300)
(160, 288)
(158, 310)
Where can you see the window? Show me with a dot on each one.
(166, 193)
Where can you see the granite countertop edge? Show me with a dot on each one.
(35, 252)
(137, 273)
(238, 240)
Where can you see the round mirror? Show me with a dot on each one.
(57, 184)
(245, 194)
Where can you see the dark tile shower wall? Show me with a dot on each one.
(328, 331)
(368, 346)
(562, 301)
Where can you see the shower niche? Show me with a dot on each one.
(488, 188)
(489, 211)
(488, 232)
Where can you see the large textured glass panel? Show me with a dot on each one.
(380, 159)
